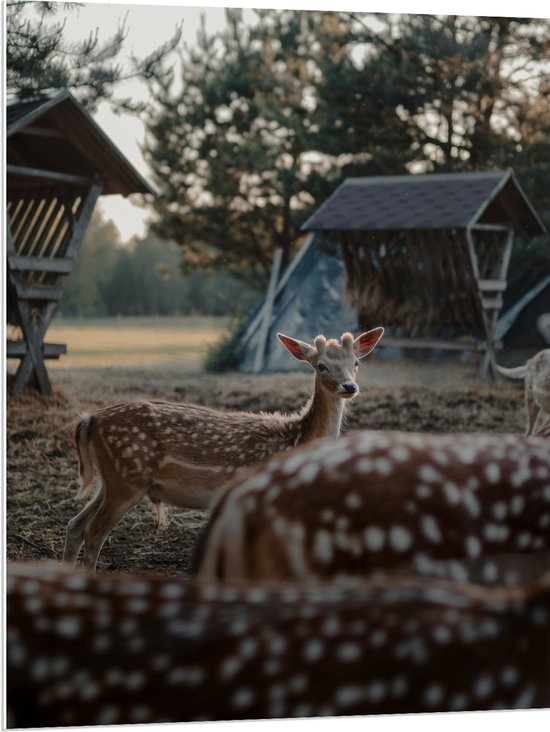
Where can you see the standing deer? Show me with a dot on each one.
(181, 454)
(103, 650)
(377, 499)
(536, 372)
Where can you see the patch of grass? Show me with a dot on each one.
(100, 342)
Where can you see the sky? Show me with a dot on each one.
(149, 25)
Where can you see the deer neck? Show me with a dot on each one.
(322, 415)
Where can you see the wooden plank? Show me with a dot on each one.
(18, 349)
(492, 285)
(44, 293)
(51, 175)
(267, 310)
(432, 343)
(491, 303)
(41, 132)
(83, 219)
(490, 227)
(64, 265)
(32, 363)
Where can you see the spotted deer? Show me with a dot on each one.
(536, 373)
(86, 649)
(378, 499)
(180, 454)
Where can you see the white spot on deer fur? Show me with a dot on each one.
(313, 650)
(68, 626)
(492, 472)
(107, 715)
(378, 638)
(490, 571)
(346, 695)
(230, 666)
(331, 626)
(471, 503)
(495, 532)
(442, 634)
(524, 539)
(423, 491)
(349, 651)
(383, 466)
(430, 528)
(517, 505)
(483, 686)
(374, 538)
(399, 453)
(473, 546)
(429, 474)
(452, 492)
(459, 702)
(500, 510)
(327, 515)
(353, 500)
(400, 538)
(399, 686)
(525, 699)
(433, 695)
(546, 493)
(509, 675)
(322, 546)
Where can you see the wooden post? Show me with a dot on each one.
(267, 310)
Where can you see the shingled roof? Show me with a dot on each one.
(55, 132)
(431, 201)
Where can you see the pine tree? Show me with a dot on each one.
(39, 58)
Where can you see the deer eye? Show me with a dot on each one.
(356, 364)
(322, 368)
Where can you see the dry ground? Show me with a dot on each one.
(42, 468)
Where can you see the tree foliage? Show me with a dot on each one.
(269, 118)
(39, 57)
(144, 277)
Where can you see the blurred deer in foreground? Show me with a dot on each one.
(536, 372)
(181, 454)
(102, 650)
(377, 499)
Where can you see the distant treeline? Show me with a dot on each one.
(144, 277)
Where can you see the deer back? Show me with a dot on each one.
(380, 499)
(101, 650)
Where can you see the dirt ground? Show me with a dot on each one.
(41, 466)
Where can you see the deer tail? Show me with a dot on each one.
(518, 373)
(85, 463)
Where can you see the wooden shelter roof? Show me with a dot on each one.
(427, 201)
(55, 133)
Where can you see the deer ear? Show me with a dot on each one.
(366, 342)
(299, 349)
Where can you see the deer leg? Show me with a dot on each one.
(533, 410)
(76, 527)
(114, 507)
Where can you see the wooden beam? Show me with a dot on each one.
(46, 293)
(474, 345)
(51, 175)
(64, 265)
(267, 310)
(41, 132)
(492, 285)
(83, 219)
(18, 349)
(490, 227)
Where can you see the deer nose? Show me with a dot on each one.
(350, 387)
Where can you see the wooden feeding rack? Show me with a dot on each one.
(58, 163)
(427, 255)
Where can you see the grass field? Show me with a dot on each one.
(126, 341)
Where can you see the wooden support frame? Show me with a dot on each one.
(462, 270)
(49, 257)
